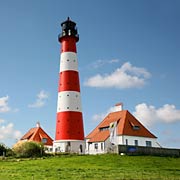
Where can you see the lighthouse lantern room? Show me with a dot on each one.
(69, 135)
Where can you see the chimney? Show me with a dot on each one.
(38, 124)
(118, 107)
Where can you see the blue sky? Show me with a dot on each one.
(128, 52)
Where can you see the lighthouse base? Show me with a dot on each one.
(70, 146)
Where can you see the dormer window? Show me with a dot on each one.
(135, 127)
(104, 128)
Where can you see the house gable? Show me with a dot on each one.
(37, 134)
(130, 126)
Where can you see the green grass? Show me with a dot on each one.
(91, 167)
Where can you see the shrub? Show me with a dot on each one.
(9, 152)
(28, 149)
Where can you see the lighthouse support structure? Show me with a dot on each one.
(69, 135)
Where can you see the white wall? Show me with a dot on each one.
(141, 140)
(90, 148)
(48, 149)
(104, 147)
(69, 146)
(101, 147)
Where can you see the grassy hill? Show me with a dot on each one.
(91, 167)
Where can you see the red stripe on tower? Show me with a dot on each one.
(69, 122)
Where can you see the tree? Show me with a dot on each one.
(2, 150)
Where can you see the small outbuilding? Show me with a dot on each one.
(37, 134)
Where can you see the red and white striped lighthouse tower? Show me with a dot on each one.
(69, 123)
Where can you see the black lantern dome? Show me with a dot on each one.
(68, 29)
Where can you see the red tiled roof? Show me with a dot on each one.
(37, 134)
(127, 124)
(100, 137)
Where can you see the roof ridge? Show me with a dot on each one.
(44, 133)
(35, 132)
(28, 134)
(124, 120)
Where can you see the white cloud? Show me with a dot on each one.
(4, 104)
(127, 76)
(8, 131)
(150, 115)
(99, 63)
(42, 96)
(2, 121)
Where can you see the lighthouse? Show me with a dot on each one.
(69, 136)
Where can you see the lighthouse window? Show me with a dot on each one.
(67, 59)
(67, 94)
(67, 107)
(74, 60)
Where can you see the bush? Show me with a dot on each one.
(28, 149)
(9, 152)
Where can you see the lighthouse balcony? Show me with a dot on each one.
(68, 33)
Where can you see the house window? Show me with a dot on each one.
(136, 142)
(148, 143)
(126, 141)
(96, 146)
(44, 140)
(102, 146)
(89, 144)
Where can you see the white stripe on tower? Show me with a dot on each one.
(69, 101)
(68, 61)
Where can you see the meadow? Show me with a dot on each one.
(106, 167)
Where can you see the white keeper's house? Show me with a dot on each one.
(119, 128)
